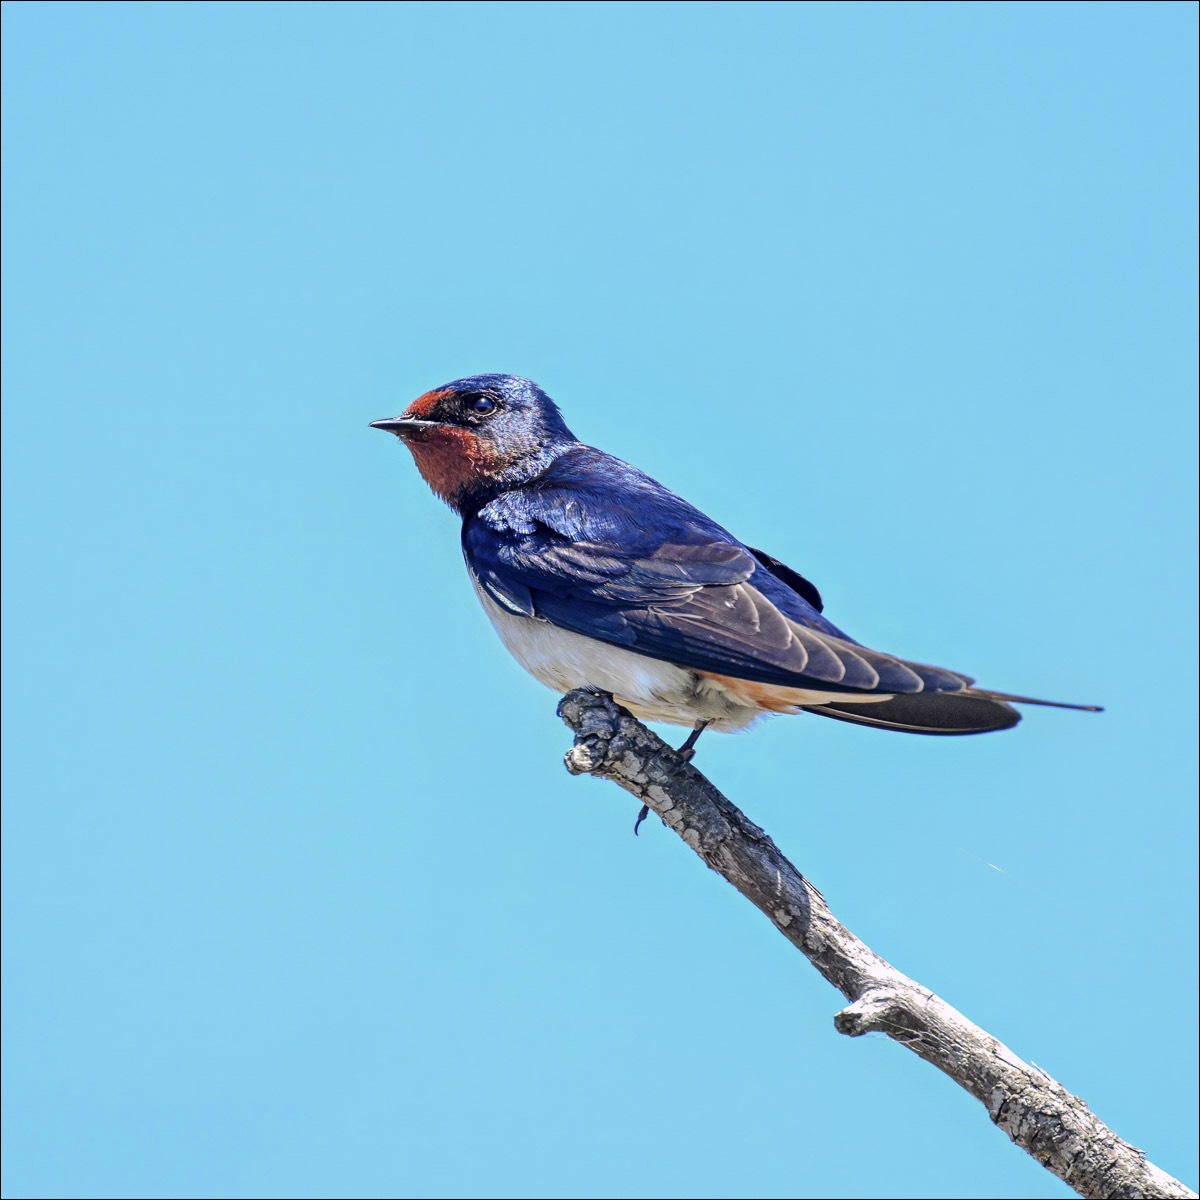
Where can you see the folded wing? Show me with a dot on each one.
(691, 595)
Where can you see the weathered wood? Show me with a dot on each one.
(1036, 1112)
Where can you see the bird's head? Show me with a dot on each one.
(476, 435)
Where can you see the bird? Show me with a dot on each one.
(597, 576)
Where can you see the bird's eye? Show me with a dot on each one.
(481, 405)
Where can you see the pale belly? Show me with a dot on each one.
(651, 689)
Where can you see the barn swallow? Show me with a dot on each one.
(596, 576)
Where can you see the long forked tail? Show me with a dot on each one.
(1010, 699)
(945, 714)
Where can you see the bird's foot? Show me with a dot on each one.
(688, 750)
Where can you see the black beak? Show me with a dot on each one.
(401, 425)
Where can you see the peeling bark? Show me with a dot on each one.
(1036, 1112)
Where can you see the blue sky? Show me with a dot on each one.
(299, 899)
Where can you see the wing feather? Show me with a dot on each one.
(693, 596)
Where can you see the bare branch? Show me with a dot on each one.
(1036, 1112)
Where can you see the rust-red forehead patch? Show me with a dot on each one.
(424, 405)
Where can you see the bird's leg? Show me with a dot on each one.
(688, 750)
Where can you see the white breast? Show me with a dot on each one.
(651, 689)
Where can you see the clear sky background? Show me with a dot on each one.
(300, 900)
